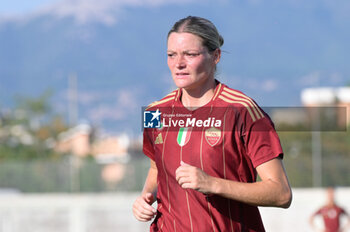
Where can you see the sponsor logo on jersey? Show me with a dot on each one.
(184, 136)
(212, 135)
(152, 119)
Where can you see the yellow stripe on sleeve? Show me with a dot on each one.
(239, 102)
(230, 96)
(252, 103)
(170, 94)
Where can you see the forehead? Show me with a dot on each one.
(184, 40)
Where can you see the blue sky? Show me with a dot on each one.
(10, 7)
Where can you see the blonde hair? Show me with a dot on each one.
(201, 27)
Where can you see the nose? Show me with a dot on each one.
(180, 62)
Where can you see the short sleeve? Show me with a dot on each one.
(148, 148)
(318, 212)
(262, 141)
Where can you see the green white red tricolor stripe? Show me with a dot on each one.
(183, 136)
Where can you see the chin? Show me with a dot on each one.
(181, 83)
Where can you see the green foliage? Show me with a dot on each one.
(35, 106)
(90, 177)
(28, 162)
(63, 176)
(335, 150)
(29, 130)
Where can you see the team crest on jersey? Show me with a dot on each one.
(212, 135)
(184, 136)
(332, 213)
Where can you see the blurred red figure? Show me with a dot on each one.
(331, 214)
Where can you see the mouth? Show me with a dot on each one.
(181, 74)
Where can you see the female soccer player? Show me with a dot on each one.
(203, 170)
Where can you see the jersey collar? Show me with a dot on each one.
(217, 91)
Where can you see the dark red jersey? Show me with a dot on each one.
(227, 138)
(331, 216)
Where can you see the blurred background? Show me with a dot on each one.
(74, 75)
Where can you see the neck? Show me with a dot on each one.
(197, 97)
(331, 204)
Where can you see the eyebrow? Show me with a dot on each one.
(185, 51)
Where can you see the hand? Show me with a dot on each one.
(142, 207)
(190, 177)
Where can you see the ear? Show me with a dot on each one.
(217, 55)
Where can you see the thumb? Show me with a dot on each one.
(149, 197)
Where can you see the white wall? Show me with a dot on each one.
(68, 213)
(112, 212)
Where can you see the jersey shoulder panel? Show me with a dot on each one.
(168, 100)
(236, 99)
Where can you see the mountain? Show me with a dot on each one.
(118, 52)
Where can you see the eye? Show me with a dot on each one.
(171, 55)
(192, 54)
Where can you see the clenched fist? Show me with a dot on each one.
(142, 207)
(190, 177)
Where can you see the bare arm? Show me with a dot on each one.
(151, 180)
(272, 190)
(311, 221)
(142, 207)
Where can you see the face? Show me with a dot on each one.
(190, 63)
